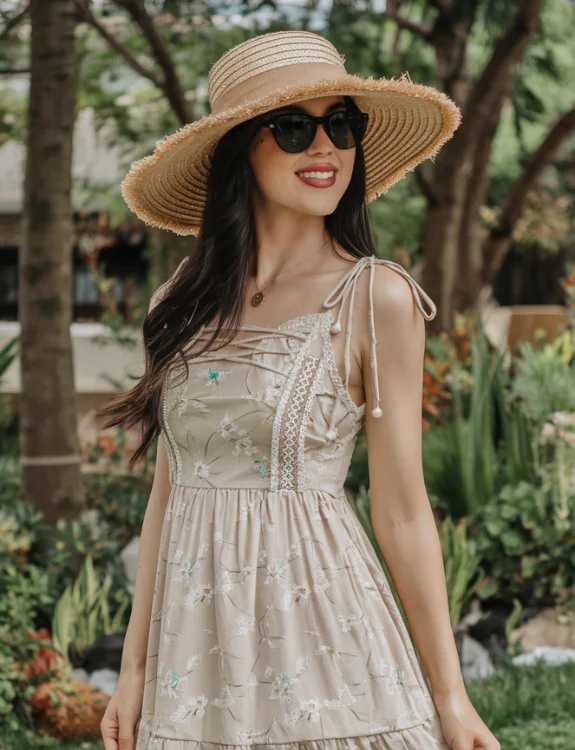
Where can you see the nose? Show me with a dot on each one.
(321, 137)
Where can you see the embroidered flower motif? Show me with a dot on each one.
(194, 706)
(294, 550)
(199, 405)
(194, 661)
(201, 469)
(282, 686)
(346, 624)
(301, 592)
(301, 664)
(292, 717)
(312, 708)
(344, 698)
(172, 683)
(262, 466)
(320, 581)
(225, 699)
(203, 592)
(223, 582)
(396, 681)
(245, 624)
(228, 429)
(244, 445)
(275, 570)
(262, 557)
(216, 377)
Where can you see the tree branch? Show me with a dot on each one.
(117, 46)
(171, 85)
(19, 14)
(425, 183)
(508, 51)
(405, 23)
(500, 236)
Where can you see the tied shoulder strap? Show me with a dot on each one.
(348, 285)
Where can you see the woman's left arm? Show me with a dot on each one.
(401, 513)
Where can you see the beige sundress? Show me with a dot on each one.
(273, 624)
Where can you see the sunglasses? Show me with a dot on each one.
(295, 132)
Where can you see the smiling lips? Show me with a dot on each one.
(318, 178)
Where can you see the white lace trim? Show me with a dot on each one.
(277, 465)
(174, 458)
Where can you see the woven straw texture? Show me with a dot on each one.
(408, 122)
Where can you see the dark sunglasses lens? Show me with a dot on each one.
(294, 133)
(340, 131)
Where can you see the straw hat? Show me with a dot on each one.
(408, 122)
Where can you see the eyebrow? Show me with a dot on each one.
(288, 107)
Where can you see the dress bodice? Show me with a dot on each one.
(270, 410)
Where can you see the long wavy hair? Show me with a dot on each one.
(209, 287)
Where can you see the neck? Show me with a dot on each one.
(277, 251)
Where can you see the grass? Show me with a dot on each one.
(526, 708)
(529, 708)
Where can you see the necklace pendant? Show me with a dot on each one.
(257, 299)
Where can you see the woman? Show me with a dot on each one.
(261, 614)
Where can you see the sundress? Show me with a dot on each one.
(273, 624)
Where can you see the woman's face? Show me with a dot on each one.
(276, 171)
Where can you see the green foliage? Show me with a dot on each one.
(461, 562)
(528, 553)
(82, 613)
(545, 378)
(22, 588)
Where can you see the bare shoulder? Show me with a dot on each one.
(390, 297)
(393, 298)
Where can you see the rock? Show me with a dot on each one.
(104, 680)
(554, 626)
(475, 660)
(548, 654)
(129, 556)
(104, 653)
(488, 629)
(80, 675)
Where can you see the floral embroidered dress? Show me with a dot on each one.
(273, 624)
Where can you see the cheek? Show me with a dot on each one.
(271, 166)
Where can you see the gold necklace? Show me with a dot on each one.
(259, 296)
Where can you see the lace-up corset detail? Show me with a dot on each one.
(270, 410)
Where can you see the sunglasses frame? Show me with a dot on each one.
(356, 118)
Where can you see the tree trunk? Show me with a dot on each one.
(50, 444)
(452, 231)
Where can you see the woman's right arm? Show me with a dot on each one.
(119, 722)
(136, 640)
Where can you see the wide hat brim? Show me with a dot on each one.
(408, 123)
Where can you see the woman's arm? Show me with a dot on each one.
(136, 640)
(401, 513)
(119, 723)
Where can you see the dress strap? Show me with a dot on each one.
(347, 285)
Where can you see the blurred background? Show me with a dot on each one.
(487, 228)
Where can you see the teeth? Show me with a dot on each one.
(319, 175)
